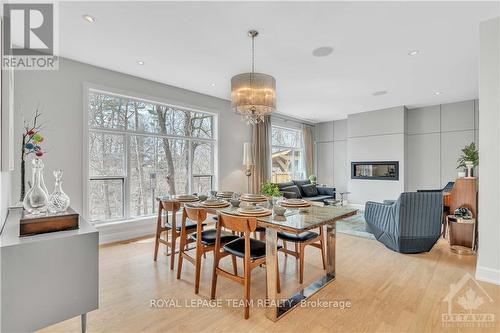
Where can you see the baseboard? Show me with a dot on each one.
(116, 232)
(488, 275)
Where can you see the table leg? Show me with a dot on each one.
(272, 273)
(278, 308)
(330, 249)
(84, 322)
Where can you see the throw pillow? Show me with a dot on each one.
(283, 185)
(310, 190)
(294, 189)
(301, 183)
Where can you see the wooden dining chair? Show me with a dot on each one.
(252, 251)
(167, 206)
(172, 207)
(204, 239)
(301, 241)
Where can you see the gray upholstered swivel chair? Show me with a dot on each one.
(411, 224)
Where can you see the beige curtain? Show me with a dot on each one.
(261, 136)
(307, 136)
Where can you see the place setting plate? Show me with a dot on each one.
(225, 194)
(186, 198)
(295, 203)
(211, 203)
(248, 197)
(253, 211)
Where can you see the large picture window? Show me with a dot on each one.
(139, 150)
(287, 154)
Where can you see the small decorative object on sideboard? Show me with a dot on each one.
(49, 222)
(35, 200)
(58, 200)
(463, 212)
(462, 234)
(469, 159)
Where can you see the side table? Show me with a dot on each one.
(461, 234)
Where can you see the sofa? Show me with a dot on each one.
(303, 189)
(411, 224)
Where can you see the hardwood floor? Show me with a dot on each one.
(389, 292)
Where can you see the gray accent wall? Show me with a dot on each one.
(376, 136)
(426, 141)
(435, 136)
(324, 153)
(331, 154)
(340, 162)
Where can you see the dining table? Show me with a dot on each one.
(295, 221)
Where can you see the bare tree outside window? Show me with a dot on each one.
(140, 150)
(287, 154)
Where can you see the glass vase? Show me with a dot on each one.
(58, 200)
(35, 200)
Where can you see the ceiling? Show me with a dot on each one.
(200, 46)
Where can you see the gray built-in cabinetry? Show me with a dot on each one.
(331, 154)
(47, 278)
(432, 140)
(435, 136)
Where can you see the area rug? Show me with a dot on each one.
(355, 226)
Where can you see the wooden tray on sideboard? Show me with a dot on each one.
(34, 225)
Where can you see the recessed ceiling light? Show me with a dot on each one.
(322, 51)
(413, 53)
(437, 93)
(213, 84)
(140, 62)
(379, 93)
(89, 18)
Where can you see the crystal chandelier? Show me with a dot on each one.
(253, 95)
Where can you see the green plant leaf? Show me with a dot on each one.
(469, 153)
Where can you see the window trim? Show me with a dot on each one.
(214, 141)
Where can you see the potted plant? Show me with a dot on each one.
(469, 158)
(313, 179)
(270, 190)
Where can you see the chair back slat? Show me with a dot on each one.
(171, 205)
(237, 223)
(197, 214)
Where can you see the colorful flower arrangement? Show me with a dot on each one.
(30, 145)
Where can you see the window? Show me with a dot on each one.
(139, 150)
(287, 154)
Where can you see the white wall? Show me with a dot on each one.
(376, 136)
(488, 264)
(5, 142)
(435, 136)
(59, 95)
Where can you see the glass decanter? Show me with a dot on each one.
(35, 200)
(58, 200)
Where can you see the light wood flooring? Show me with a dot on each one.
(389, 292)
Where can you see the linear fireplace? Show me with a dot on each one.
(377, 170)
